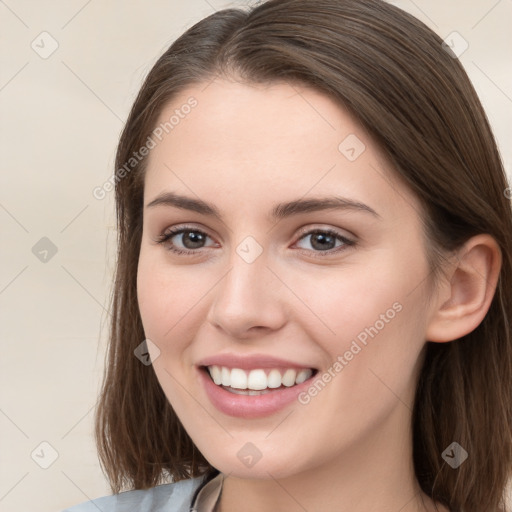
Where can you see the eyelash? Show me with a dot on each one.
(163, 238)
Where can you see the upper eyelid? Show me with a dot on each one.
(176, 230)
(338, 231)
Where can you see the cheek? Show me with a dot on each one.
(154, 300)
(162, 298)
(172, 300)
(379, 338)
(342, 303)
(373, 316)
(166, 300)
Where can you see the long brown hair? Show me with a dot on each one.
(415, 99)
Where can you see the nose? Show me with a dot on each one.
(248, 300)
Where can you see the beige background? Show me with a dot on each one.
(60, 118)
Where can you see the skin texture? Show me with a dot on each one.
(244, 148)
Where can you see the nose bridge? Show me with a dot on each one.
(247, 296)
(248, 275)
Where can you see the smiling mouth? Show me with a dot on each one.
(258, 381)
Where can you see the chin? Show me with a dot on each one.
(262, 466)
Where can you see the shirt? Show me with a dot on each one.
(194, 495)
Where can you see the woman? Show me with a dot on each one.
(314, 273)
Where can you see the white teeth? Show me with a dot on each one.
(239, 379)
(274, 379)
(302, 376)
(257, 380)
(226, 376)
(216, 374)
(288, 378)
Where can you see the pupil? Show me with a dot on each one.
(322, 239)
(195, 238)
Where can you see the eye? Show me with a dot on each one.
(187, 240)
(326, 241)
(183, 240)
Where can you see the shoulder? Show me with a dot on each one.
(175, 497)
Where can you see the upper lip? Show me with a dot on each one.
(250, 362)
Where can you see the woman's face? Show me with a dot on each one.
(304, 259)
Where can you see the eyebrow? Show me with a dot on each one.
(279, 211)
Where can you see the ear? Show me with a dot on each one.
(466, 293)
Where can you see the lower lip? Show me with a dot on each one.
(247, 406)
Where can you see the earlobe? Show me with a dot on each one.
(471, 287)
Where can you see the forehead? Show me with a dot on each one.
(277, 113)
(242, 138)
